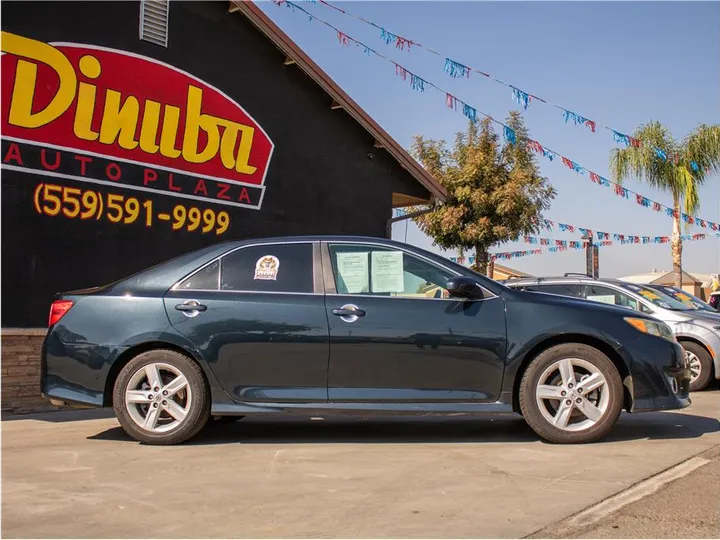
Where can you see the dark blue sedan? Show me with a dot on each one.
(350, 325)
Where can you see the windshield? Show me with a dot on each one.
(686, 298)
(658, 298)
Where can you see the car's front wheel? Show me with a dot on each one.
(700, 365)
(161, 397)
(571, 393)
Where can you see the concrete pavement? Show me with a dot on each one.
(288, 477)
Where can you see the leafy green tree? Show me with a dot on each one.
(675, 174)
(495, 193)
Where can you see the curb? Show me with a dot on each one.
(570, 526)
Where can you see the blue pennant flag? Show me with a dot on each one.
(509, 134)
(455, 69)
(470, 112)
(387, 37)
(417, 83)
(523, 98)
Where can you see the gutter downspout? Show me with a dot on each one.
(389, 223)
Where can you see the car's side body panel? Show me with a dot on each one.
(79, 351)
(260, 346)
(409, 347)
(417, 350)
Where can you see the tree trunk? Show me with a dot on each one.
(481, 259)
(676, 245)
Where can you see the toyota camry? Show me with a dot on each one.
(350, 325)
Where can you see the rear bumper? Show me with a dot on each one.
(70, 374)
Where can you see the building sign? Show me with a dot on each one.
(125, 127)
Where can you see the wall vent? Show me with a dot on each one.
(154, 15)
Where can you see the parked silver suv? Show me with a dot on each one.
(696, 330)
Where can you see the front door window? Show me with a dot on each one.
(381, 271)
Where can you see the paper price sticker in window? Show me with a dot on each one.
(604, 298)
(387, 272)
(267, 267)
(353, 272)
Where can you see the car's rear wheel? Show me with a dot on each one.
(161, 397)
(700, 365)
(571, 393)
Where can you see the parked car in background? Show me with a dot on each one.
(683, 296)
(697, 331)
(346, 325)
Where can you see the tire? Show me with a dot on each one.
(541, 411)
(702, 361)
(191, 403)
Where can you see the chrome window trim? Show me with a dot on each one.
(313, 243)
(253, 292)
(423, 298)
(330, 284)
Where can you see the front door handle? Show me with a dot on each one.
(343, 312)
(349, 313)
(191, 308)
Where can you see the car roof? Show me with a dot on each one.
(316, 238)
(568, 278)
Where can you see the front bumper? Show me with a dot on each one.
(660, 375)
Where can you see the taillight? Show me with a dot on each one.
(58, 309)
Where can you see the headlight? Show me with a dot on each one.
(655, 328)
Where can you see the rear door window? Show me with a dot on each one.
(282, 268)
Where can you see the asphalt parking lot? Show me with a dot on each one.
(77, 475)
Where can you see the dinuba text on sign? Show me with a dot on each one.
(141, 118)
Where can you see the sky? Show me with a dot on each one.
(619, 63)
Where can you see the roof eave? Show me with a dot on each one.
(283, 42)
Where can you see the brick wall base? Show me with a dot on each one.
(20, 371)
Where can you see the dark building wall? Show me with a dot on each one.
(320, 178)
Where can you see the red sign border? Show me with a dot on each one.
(186, 74)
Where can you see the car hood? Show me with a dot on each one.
(694, 316)
(571, 302)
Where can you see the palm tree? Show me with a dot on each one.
(683, 170)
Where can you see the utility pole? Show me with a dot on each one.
(592, 256)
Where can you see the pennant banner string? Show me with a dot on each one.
(419, 84)
(551, 225)
(561, 246)
(458, 70)
(622, 238)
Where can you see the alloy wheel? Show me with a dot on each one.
(158, 397)
(572, 394)
(695, 366)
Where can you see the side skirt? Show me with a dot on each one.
(225, 408)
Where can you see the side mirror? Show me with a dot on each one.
(464, 287)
